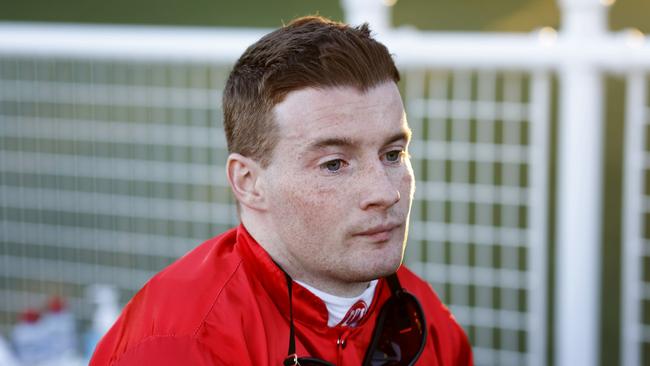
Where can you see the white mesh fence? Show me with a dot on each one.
(479, 221)
(110, 170)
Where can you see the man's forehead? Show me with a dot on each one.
(323, 140)
(310, 110)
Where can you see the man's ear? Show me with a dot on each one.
(244, 177)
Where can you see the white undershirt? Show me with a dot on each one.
(337, 306)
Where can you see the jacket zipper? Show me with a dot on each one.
(341, 343)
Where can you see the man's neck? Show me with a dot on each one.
(267, 240)
(341, 289)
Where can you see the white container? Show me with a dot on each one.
(7, 357)
(59, 323)
(107, 310)
(30, 339)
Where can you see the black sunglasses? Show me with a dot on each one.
(398, 339)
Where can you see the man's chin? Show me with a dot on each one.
(390, 270)
(379, 271)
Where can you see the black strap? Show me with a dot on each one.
(393, 283)
(292, 358)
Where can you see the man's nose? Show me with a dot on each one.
(378, 189)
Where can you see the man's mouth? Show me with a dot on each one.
(379, 233)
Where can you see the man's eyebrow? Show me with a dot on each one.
(402, 135)
(348, 142)
(331, 141)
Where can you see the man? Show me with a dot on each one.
(319, 166)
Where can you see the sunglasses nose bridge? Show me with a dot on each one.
(291, 360)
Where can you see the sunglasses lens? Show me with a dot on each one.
(401, 337)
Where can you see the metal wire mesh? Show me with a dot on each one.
(108, 172)
(478, 227)
(111, 170)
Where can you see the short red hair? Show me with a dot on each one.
(310, 51)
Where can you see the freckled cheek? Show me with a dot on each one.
(311, 200)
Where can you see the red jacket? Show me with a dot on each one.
(226, 303)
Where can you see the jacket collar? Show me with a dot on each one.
(307, 307)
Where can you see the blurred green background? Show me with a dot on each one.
(447, 15)
(437, 15)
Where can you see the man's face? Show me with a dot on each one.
(340, 183)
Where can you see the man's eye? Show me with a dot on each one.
(394, 155)
(333, 165)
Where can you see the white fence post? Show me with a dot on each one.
(375, 12)
(579, 189)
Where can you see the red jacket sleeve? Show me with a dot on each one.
(465, 356)
(168, 351)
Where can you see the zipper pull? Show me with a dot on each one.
(341, 342)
